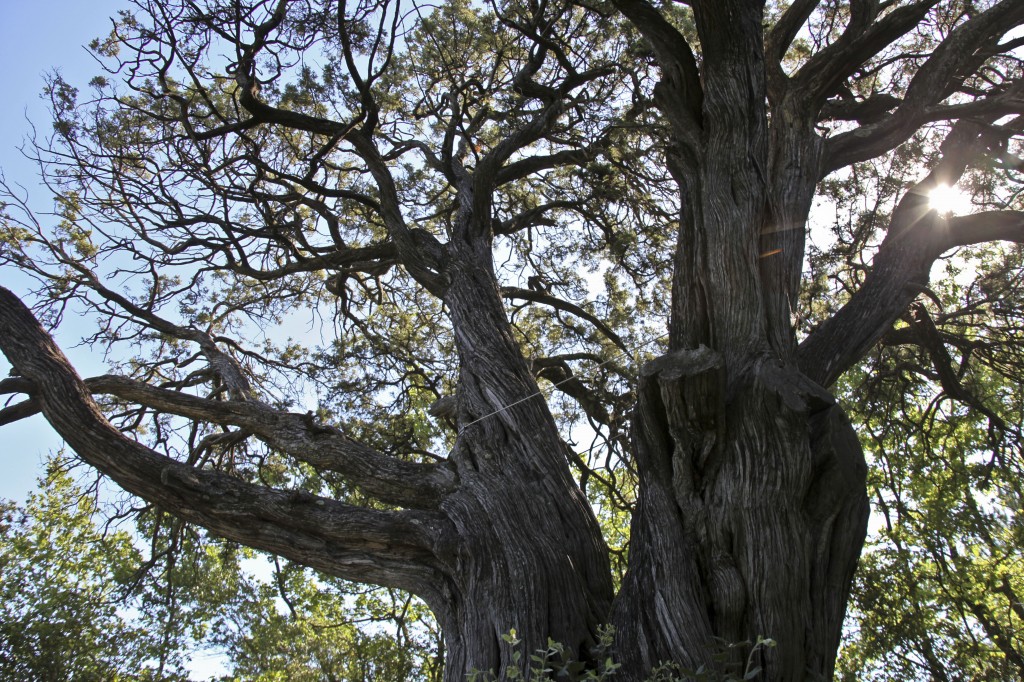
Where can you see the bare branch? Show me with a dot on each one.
(559, 304)
(949, 64)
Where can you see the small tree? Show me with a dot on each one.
(64, 582)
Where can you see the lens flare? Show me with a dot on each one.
(949, 200)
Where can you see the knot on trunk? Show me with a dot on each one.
(791, 386)
(684, 391)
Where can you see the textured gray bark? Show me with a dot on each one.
(751, 518)
(752, 508)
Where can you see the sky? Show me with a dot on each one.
(36, 38)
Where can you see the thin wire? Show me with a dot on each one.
(619, 351)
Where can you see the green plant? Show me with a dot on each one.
(728, 667)
(555, 663)
(552, 663)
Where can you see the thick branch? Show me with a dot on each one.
(786, 28)
(819, 77)
(388, 548)
(916, 236)
(522, 168)
(989, 226)
(426, 269)
(680, 91)
(18, 411)
(388, 479)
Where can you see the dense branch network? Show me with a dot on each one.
(386, 174)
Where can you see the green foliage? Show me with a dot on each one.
(62, 590)
(729, 665)
(299, 627)
(939, 587)
(78, 602)
(554, 663)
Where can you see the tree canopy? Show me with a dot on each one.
(561, 314)
(85, 600)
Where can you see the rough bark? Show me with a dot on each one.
(751, 518)
(531, 554)
(752, 506)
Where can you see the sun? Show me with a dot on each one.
(949, 200)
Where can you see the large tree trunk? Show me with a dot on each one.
(750, 520)
(530, 555)
(752, 507)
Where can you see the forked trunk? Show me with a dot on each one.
(752, 507)
(751, 517)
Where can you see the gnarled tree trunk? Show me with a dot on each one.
(752, 507)
(529, 554)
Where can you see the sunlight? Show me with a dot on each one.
(949, 200)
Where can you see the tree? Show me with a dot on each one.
(401, 171)
(63, 584)
(938, 589)
(315, 638)
(82, 602)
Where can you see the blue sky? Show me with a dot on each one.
(36, 38)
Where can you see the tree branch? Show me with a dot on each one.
(819, 77)
(18, 411)
(561, 376)
(916, 236)
(249, 87)
(522, 168)
(988, 226)
(399, 549)
(786, 28)
(945, 68)
(223, 364)
(565, 306)
(929, 338)
(386, 478)
(680, 91)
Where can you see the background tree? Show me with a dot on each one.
(62, 588)
(387, 176)
(83, 601)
